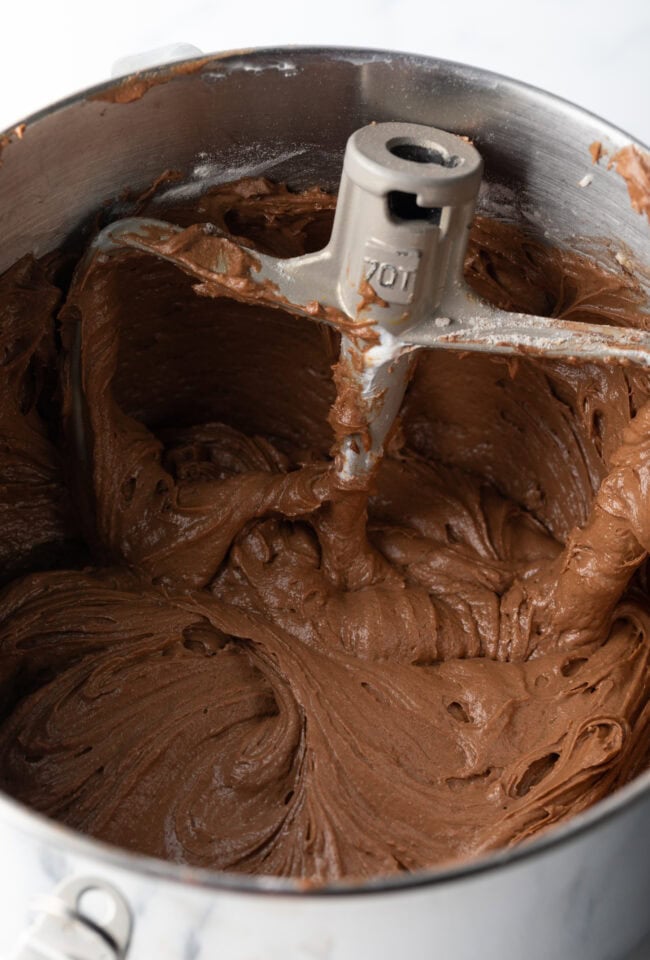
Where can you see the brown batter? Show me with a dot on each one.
(231, 662)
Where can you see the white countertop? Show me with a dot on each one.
(594, 52)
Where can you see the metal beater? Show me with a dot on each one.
(390, 280)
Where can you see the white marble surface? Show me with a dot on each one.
(594, 52)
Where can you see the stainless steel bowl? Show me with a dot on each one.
(581, 891)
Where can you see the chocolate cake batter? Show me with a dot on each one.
(211, 652)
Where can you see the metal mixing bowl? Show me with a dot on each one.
(579, 892)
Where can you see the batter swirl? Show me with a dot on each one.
(211, 652)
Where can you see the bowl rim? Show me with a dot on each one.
(233, 60)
